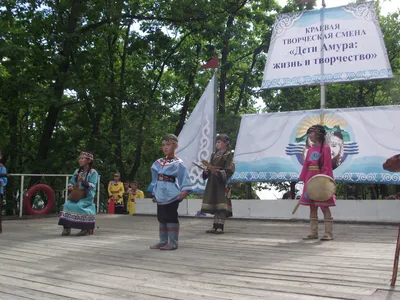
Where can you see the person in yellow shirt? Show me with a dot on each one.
(134, 193)
(116, 193)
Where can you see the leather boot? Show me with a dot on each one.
(314, 229)
(83, 232)
(328, 236)
(163, 237)
(66, 231)
(173, 236)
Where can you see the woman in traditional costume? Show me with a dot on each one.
(81, 214)
(116, 195)
(134, 193)
(216, 199)
(318, 161)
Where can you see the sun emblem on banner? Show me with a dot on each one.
(339, 137)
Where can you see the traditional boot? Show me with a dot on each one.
(215, 225)
(219, 229)
(173, 235)
(83, 232)
(66, 231)
(314, 229)
(328, 236)
(163, 237)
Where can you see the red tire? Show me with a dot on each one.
(48, 191)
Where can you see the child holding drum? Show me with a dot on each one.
(318, 162)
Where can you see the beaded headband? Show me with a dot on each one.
(87, 155)
(224, 138)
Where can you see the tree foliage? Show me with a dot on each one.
(114, 76)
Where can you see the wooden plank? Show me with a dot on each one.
(26, 293)
(253, 260)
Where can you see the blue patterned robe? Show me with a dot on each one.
(167, 192)
(81, 214)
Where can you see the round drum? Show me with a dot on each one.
(321, 188)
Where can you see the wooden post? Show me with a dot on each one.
(396, 260)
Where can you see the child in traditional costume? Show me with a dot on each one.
(318, 161)
(134, 193)
(170, 185)
(3, 183)
(216, 199)
(81, 214)
(116, 195)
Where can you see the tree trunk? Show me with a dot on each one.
(244, 85)
(147, 107)
(58, 87)
(186, 102)
(12, 161)
(185, 105)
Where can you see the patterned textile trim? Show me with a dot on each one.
(91, 171)
(170, 201)
(319, 205)
(76, 216)
(72, 220)
(71, 224)
(220, 206)
(168, 161)
(188, 188)
(173, 227)
(91, 186)
(314, 168)
(163, 177)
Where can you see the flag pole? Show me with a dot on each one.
(323, 86)
(215, 109)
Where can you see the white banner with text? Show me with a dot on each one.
(340, 44)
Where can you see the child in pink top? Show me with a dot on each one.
(317, 161)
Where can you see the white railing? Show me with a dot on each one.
(67, 176)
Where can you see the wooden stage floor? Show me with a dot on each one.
(252, 260)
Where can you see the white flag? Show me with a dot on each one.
(197, 137)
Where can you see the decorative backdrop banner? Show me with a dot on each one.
(271, 147)
(197, 137)
(340, 44)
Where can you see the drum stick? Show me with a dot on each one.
(296, 207)
(199, 166)
(396, 260)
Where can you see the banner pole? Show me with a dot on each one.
(215, 109)
(323, 86)
(322, 82)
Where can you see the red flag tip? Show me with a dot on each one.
(212, 64)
